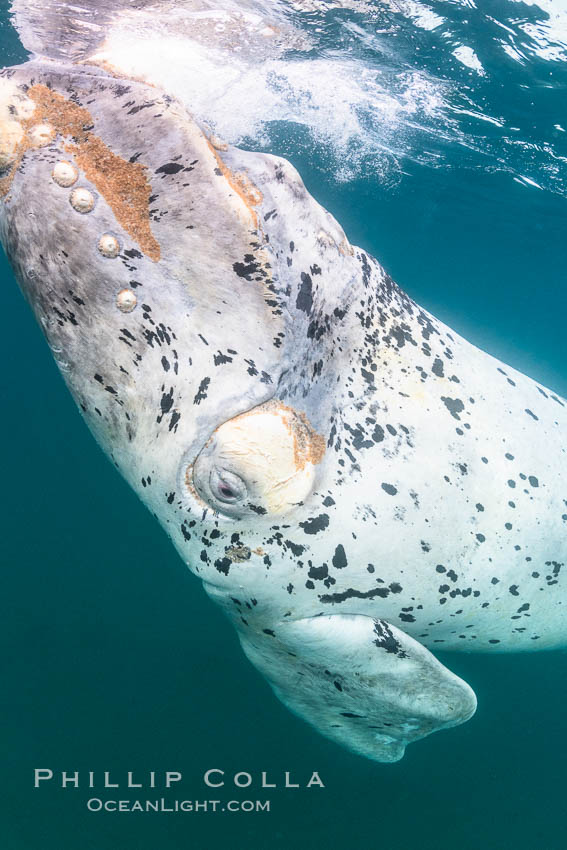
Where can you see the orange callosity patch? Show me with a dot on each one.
(124, 185)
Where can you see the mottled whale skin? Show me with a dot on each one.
(353, 482)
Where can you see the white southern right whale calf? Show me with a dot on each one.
(354, 483)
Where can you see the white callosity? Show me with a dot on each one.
(11, 134)
(109, 246)
(65, 174)
(126, 300)
(262, 448)
(41, 135)
(82, 200)
(14, 108)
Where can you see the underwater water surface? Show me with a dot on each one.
(435, 133)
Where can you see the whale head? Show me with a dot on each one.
(186, 312)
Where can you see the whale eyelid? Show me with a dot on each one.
(226, 487)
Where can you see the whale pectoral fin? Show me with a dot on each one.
(360, 681)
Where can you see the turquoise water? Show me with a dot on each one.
(114, 659)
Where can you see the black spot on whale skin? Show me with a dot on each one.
(135, 109)
(437, 367)
(328, 501)
(514, 590)
(366, 270)
(378, 434)
(453, 405)
(389, 489)
(319, 573)
(351, 593)
(304, 300)
(339, 558)
(358, 441)
(166, 402)
(533, 481)
(315, 524)
(296, 548)
(169, 168)
(220, 359)
(400, 336)
(407, 618)
(120, 91)
(223, 565)
(249, 267)
(316, 330)
(529, 412)
(202, 391)
(385, 639)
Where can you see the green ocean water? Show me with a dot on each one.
(113, 659)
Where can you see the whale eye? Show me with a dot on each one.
(260, 462)
(226, 487)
